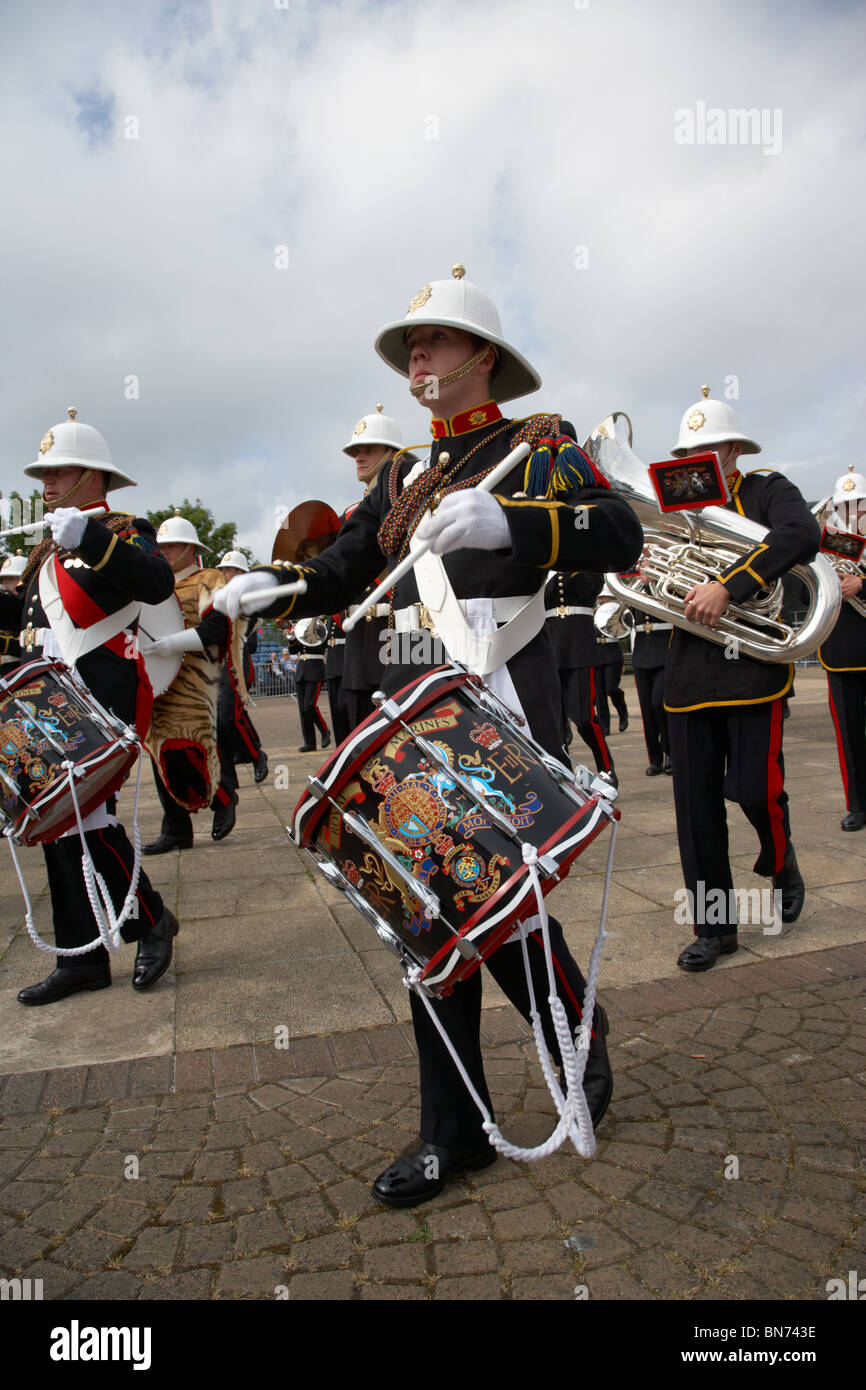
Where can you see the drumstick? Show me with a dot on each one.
(45, 520)
(489, 483)
(281, 591)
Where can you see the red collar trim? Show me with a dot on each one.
(467, 420)
(734, 480)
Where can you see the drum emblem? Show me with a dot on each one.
(467, 868)
(413, 812)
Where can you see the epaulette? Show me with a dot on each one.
(759, 470)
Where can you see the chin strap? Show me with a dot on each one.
(458, 372)
(574, 1118)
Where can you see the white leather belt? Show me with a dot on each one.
(310, 656)
(33, 637)
(411, 620)
(654, 627)
(379, 610)
(336, 642)
(563, 611)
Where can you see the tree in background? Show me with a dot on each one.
(16, 510)
(218, 539)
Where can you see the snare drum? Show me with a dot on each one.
(46, 719)
(421, 815)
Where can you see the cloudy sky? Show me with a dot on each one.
(156, 157)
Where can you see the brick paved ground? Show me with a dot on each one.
(254, 1163)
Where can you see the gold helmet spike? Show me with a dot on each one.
(458, 271)
(705, 391)
(72, 412)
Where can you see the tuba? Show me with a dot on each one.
(683, 549)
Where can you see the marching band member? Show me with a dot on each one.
(193, 765)
(375, 440)
(234, 718)
(497, 551)
(309, 678)
(724, 709)
(104, 561)
(569, 606)
(843, 657)
(608, 683)
(10, 574)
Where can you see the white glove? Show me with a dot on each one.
(67, 527)
(228, 599)
(186, 641)
(467, 520)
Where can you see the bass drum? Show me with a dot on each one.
(161, 620)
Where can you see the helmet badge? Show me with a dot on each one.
(420, 299)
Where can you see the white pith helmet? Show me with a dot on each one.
(457, 303)
(13, 565)
(849, 487)
(235, 560)
(176, 530)
(709, 422)
(375, 429)
(72, 444)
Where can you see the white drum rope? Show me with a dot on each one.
(103, 911)
(575, 1122)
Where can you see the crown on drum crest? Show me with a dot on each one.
(709, 422)
(72, 444)
(457, 303)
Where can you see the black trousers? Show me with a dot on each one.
(650, 693)
(449, 1116)
(339, 711)
(74, 922)
(308, 693)
(847, 691)
(239, 729)
(359, 703)
(607, 680)
(578, 698)
(732, 752)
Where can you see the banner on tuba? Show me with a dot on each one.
(684, 548)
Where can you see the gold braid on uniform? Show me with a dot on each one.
(117, 522)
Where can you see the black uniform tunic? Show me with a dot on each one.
(543, 536)
(119, 565)
(725, 710)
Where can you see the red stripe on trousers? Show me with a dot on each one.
(607, 761)
(776, 785)
(843, 766)
(113, 851)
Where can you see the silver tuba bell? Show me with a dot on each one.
(311, 632)
(826, 516)
(683, 549)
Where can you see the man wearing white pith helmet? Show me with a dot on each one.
(843, 654)
(97, 562)
(375, 439)
(724, 709)
(235, 723)
(10, 575)
(497, 551)
(193, 764)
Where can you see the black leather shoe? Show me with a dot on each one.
(623, 722)
(704, 951)
(326, 740)
(598, 1077)
(422, 1173)
(260, 767)
(655, 769)
(154, 951)
(224, 818)
(790, 884)
(64, 981)
(855, 820)
(167, 842)
(307, 748)
(669, 769)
